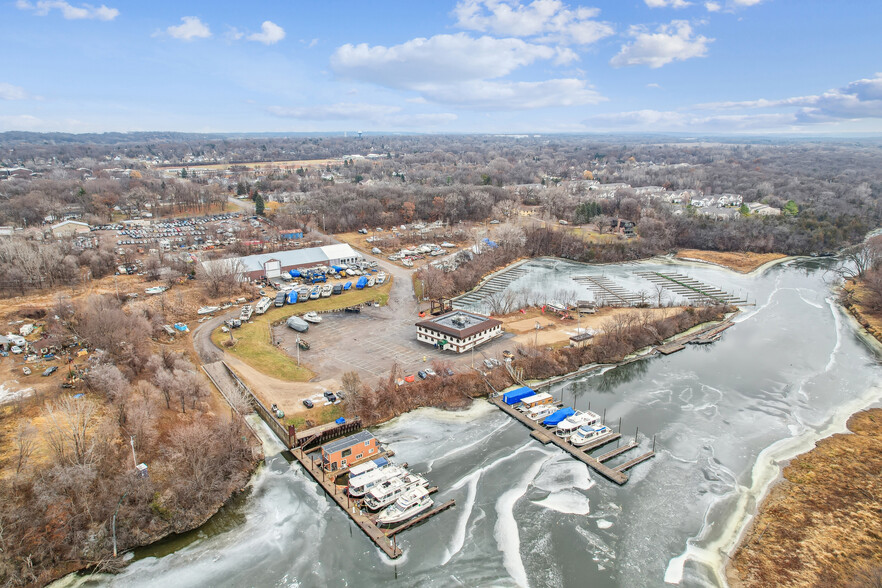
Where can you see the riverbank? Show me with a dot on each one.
(743, 262)
(820, 526)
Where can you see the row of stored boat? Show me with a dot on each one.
(578, 427)
(396, 494)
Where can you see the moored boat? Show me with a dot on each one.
(589, 433)
(389, 491)
(572, 423)
(540, 412)
(364, 483)
(410, 504)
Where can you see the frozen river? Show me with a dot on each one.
(790, 371)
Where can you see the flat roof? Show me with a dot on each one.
(295, 257)
(347, 442)
(460, 323)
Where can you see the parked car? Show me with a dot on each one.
(50, 371)
(307, 403)
(421, 374)
(15, 349)
(430, 372)
(449, 371)
(488, 364)
(340, 394)
(332, 399)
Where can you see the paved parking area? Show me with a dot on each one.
(372, 341)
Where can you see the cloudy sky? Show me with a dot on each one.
(695, 66)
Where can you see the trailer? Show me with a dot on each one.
(262, 305)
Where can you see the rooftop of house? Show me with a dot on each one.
(347, 442)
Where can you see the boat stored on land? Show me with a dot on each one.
(327, 289)
(155, 290)
(388, 492)
(412, 503)
(316, 292)
(572, 423)
(347, 285)
(292, 297)
(207, 309)
(246, 313)
(297, 323)
(262, 305)
(312, 317)
(303, 294)
(361, 283)
(371, 281)
(589, 433)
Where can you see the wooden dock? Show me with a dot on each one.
(419, 519)
(360, 516)
(355, 513)
(615, 474)
(617, 451)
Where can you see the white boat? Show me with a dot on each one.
(263, 305)
(362, 484)
(389, 491)
(312, 317)
(571, 424)
(381, 278)
(407, 263)
(412, 503)
(540, 412)
(327, 290)
(246, 313)
(26, 370)
(155, 290)
(316, 292)
(589, 434)
(371, 281)
(207, 309)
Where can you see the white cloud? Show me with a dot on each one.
(338, 111)
(191, 28)
(660, 120)
(672, 42)
(379, 114)
(69, 11)
(10, 92)
(653, 85)
(713, 6)
(492, 95)
(550, 20)
(667, 3)
(269, 34)
(437, 60)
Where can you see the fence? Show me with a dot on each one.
(284, 433)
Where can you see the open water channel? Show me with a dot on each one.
(789, 372)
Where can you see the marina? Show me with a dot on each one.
(614, 474)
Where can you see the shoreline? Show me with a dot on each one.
(762, 493)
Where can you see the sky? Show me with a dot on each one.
(806, 67)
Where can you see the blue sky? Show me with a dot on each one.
(498, 66)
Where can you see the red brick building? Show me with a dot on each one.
(348, 451)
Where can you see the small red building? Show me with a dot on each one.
(348, 451)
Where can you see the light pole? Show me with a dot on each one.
(132, 442)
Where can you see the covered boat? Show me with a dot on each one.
(558, 417)
(292, 296)
(361, 283)
(297, 323)
(515, 396)
(347, 285)
(294, 273)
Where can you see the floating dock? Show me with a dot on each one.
(383, 538)
(615, 474)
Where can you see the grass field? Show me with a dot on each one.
(317, 416)
(253, 344)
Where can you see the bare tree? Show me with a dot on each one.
(351, 383)
(25, 442)
(70, 421)
(221, 275)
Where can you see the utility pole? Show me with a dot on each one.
(132, 442)
(298, 349)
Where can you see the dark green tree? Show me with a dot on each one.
(259, 204)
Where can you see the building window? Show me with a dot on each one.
(359, 456)
(367, 443)
(346, 453)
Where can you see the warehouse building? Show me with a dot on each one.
(69, 228)
(272, 265)
(458, 330)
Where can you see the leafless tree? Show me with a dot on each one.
(351, 383)
(25, 443)
(70, 421)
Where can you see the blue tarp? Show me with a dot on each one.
(292, 297)
(340, 421)
(556, 418)
(380, 462)
(337, 268)
(294, 273)
(347, 285)
(515, 396)
(490, 243)
(361, 283)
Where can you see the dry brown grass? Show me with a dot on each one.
(821, 526)
(743, 262)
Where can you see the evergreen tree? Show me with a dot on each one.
(259, 205)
